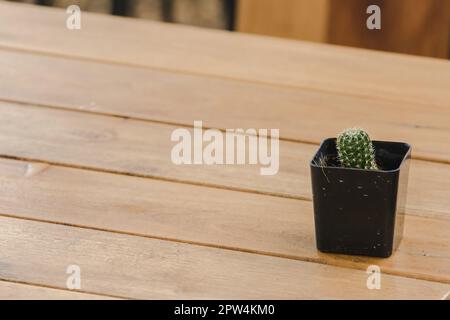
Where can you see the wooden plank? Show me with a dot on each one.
(207, 216)
(142, 148)
(322, 67)
(19, 291)
(220, 103)
(298, 19)
(134, 267)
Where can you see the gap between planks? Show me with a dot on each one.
(178, 124)
(42, 52)
(206, 245)
(88, 294)
(285, 191)
(148, 268)
(129, 117)
(161, 178)
(148, 176)
(163, 122)
(223, 247)
(48, 20)
(155, 95)
(182, 238)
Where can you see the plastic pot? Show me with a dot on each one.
(357, 211)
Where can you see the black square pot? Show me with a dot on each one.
(357, 211)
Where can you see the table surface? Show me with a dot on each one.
(86, 177)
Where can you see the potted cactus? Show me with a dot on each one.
(359, 192)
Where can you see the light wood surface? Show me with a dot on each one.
(19, 291)
(86, 176)
(208, 216)
(220, 103)
(377, 75)
(142, 148)
(147, 268)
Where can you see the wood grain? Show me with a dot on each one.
(320, 67)
(141, 148)
(207, 216)
(134, 267)
(19, 291)
(149, 238)
(220, 103)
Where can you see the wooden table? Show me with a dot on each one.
(86, 177)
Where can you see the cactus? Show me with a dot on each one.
(355, 149)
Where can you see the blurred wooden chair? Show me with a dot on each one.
(409, 26)
(118, 7)
(126, 8)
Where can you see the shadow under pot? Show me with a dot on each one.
(358, 211)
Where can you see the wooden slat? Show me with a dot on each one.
(194, 214)
(150, 268)
(301, 115)
(188, 49)
(134, 267)
(143, 148)
(19, 291)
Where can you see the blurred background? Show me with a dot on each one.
(420, 27)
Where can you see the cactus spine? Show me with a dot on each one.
(355, 149)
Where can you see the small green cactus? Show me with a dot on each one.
(355, 149)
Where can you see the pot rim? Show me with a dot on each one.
(407, 154)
